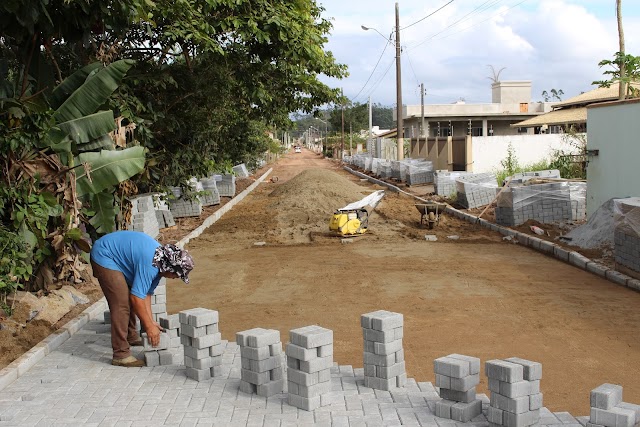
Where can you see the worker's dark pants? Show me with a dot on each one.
(123, 319)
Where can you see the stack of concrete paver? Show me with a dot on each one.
(545, 203)
(444, 182)
(384, 367)
(419, 172)
(457, 376)
(210, 188)
(143, 215)
(227, 185)
(241, 171)
(384, 169)
(170, 351)
(261, 359)
(182, 207)
(476, 190)
(159, 301)
(309, 361)
(578, 193)
(396, 170)
(163, 213)
(627, 233)
(521, 178)
(608, 409)
(515, 392)
(202, 343)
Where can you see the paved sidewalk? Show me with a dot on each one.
(76, 385)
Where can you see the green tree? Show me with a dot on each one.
(629, 77)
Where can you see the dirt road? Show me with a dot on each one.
(478, 295)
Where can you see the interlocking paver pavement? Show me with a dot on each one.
(76, 385)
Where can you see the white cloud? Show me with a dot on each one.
(553, 43)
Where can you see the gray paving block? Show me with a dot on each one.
(442, 381)
(379, 360)
(192, 331)
(385, 384)
(382, 336)
(247, 387)
(152, 358)
(261, 365)
(198, 374)
(443, 408)
(324, 350)
(217, 350)
(494, 415)
(166, 357)
(386, 348)
(165, 342)
(474, 362)
(199, 317)
(390, 371)
(532, 370)
(170, 321)
(454, 368)
(461, 396)
(256, 378)
(307, 404)
(212, 329)
(465, 412)
(517, 389)
(523, 419)
(614, 417)
(535, 401)
(517, 405)
(301, 353)
(271, 388)
(257, 337)
(381, 320)
(196, 353)
(305, 378)
(207, 341)
(504, 371)
(315, 365)
(311, 336)
(465, 383)
(255, 353)
(312, 390)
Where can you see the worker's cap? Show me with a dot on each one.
(171, 259)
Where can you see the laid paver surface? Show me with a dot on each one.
(77, 385)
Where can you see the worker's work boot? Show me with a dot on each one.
(128, 362)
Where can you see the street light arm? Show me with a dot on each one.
(388, 39)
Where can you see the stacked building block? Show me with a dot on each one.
(309, 360)
(241, 171)
(171, 353)
(210, 188)
(444, 182)
(476, 190)
(627, 233)
(143, 215)
(159, 301)
(608, 409)
(163, 214)
(419, 172)
(515, 392)
(182, 207)
(384, 367)
(261, 358)
(545, 203)
(202, 343)
(457, 376)
(227, 185)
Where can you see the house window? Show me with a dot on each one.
(524, 107)
(476, 131)
(523, 130)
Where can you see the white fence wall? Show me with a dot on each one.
(489, 151)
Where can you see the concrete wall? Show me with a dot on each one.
(488, 151)
(614, 129)
(511, 92)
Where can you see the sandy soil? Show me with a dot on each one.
(477, 295)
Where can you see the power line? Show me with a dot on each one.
(411, 66)
(377, 83)
(478, 9)
(431, 14)
(372, 72)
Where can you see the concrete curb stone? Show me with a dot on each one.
(22, 364)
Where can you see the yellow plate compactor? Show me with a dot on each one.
(353, 219)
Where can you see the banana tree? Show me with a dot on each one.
(81, 138)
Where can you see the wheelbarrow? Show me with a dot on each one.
(430, 213)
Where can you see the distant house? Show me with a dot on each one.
(571, 113)
(511, 103)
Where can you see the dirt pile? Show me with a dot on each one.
(305, 203)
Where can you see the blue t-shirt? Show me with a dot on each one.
(130, 252)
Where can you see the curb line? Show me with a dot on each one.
(548, 248)
(22, 364)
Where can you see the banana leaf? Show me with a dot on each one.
(94, 92)
(104, 219)
(108, 168)
(70, 84)
(102, 143)
(88, 128)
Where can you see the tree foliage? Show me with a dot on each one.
(630, 78)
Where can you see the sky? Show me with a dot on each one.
(456, 52)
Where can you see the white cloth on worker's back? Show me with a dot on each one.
(371, 200)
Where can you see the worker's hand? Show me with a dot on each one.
(159, 327)
(153, 333)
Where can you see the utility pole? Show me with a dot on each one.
(400, 118)
(370, 120)
(350, 140)
(342, 134)
(422, 109)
